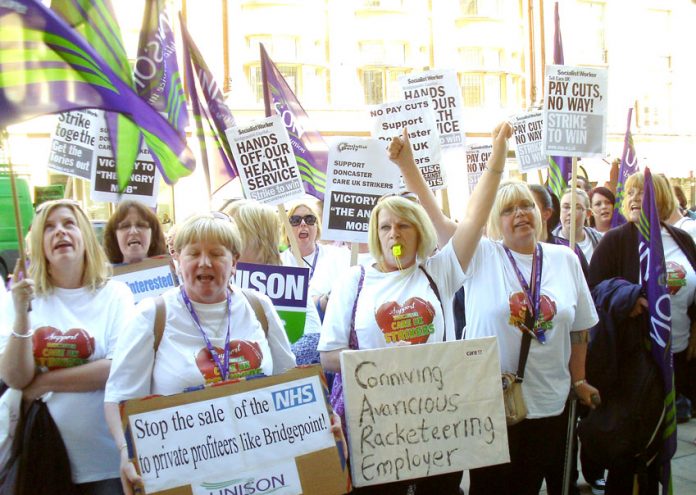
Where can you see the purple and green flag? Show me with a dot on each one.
(560, 167)
(309, 147)
(629, 166)
(156, 73)
(212, 119)
(47, 67)
(654, 281)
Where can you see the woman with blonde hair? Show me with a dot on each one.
(77, 313)
(615, 281)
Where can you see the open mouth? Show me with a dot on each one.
(62, 244)
(521, 225)
(303, 235)
(205, 278)
(134, 242)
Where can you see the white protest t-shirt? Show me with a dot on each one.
(183, 359)
(393, 306)
(330, 262)
(688, 225)
(281, 352)
(74, 327)
(494, 301)
(681, 284)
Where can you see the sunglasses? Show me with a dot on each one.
(296, 220)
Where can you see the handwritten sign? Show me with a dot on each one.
(266, 162)
(73, 143)
(477, 156)
(287, 288)
(422, 410)
(575, 111)
(527, 130)
(418, 117)
(359, 173)
(148, 278)
(268, 434)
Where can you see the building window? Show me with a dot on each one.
(382, 53)
(278, 47)
(381, 84)
(481, 8)
(309, 83)
(472, 90)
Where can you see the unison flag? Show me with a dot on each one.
(156, 73)
(47, 67)
(219, 165)
(309, 147)
(560, 167)
(629, 166)
(654, 281)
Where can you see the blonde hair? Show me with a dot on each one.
(509, 193)
(96, 269)
(291, 212)
(410, 211)
(208, 228)
(259, 228)
(664, 198)
(580, 194)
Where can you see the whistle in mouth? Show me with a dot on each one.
(396, 250)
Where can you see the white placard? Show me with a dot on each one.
(477, 156)
(575, 111)
(265, 161)
(442, 88)
(358, 174)
(148, 278)
(527, 130)
(73, 142)
(389, 120)
(144, 182)
(422, 410)
(233, 437)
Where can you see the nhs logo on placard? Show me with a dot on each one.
(293, 396)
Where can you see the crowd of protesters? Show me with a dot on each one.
(512, 239)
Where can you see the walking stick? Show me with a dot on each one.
(570, 441)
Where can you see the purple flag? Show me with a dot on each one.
(629, 166)
(218, 165)
(46, 67)
(653, 274)
(156, 72)
(309, 147)
(560, 167)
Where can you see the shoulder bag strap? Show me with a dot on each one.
(353, 338)
(160, 320)
(524, 351)
(434, 288)
(258, 310)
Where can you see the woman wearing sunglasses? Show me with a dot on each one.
(325, 262)
(65, 343)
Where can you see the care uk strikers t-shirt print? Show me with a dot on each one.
(411, 321)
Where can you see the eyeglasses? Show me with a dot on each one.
(512, 209)
(296, 220)
(138, 226)
(567, 207)
(58, 202)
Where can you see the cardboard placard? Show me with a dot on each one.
(73, 142)
(148, 278)
(266, 162)
(268, 434)
(527, 130)
(286, 286)
(442, 88)
(575, 111)
(389, 120)
(359, 173)
(477, 156)
(423, 410)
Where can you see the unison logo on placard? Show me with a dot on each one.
(246, 486)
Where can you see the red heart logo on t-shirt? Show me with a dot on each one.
(412, 321)
(55, 349)
(245, 360)
(518, 310)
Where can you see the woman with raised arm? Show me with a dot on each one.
(402, 241)
(61, 350)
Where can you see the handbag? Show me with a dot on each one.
(10, 409)
(515, 407)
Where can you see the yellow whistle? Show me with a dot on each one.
(396, 250)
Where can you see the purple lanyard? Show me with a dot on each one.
(223, 367)
(314, 262)
(532, 295)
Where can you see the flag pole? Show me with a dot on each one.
(354, 250)
(573, 201)
(445, 202)
(5, 140)
(294, 247)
